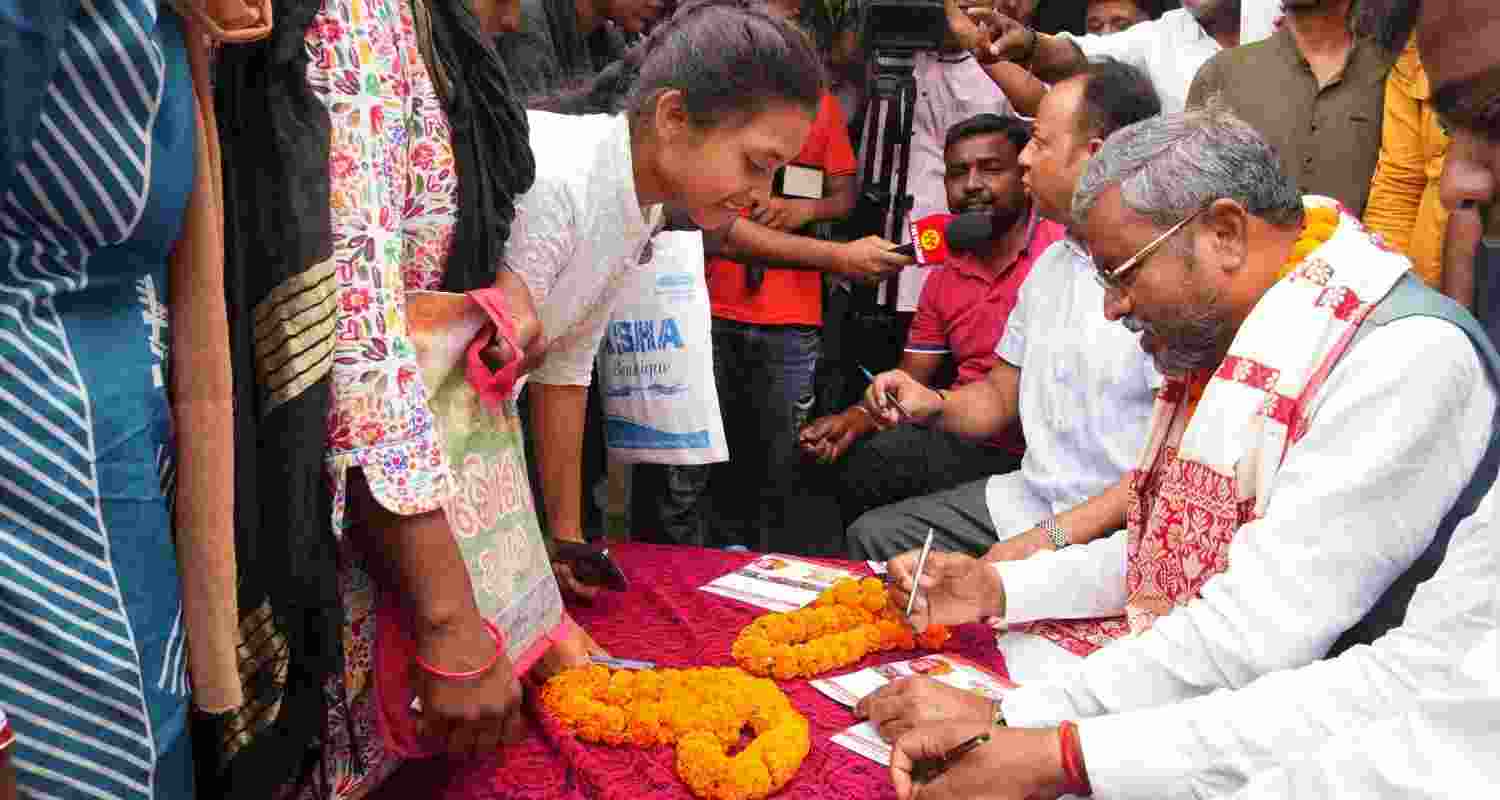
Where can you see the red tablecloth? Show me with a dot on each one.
(665, 619)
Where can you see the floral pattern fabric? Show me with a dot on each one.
(393, 197)
(394, 209)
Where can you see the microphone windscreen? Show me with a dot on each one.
(970, 232)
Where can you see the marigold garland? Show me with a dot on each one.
(847, 622)
(702, 710)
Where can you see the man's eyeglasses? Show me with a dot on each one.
(1114, 278)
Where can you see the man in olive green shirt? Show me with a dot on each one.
(1315, 91)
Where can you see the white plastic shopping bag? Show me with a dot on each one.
(656, 366)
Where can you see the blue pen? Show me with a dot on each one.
(889, 396)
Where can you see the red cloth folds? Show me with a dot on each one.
(494, 386)
(665, 619)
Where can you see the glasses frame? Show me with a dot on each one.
(1111, 279)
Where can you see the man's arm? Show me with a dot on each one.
(1097, 516)
(1214, 744)
(1344, 520)
(984, 408)
(1055, 58)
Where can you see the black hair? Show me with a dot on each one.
(1388, 23)
(1017, 130)
(1115, 94)
(729, 58)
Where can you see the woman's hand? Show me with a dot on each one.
(470, 716)
(570, 583)
(575, 650)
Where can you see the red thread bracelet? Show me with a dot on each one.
(1074, 772)
(473, 673)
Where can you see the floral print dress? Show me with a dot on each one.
(393, 198)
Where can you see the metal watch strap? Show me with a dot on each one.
(1055, 533)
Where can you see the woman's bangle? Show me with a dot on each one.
(473, 673)
(1074, 773)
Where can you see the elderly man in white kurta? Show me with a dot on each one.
(1316, 446)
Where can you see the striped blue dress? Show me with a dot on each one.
(92, 650)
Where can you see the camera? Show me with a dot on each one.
(889, 27)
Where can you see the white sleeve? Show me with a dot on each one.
(1398, 429)
(1130, 45)
(1073, 583)
(541, 249)
(1012, 345)
(1447, 747)
(1214, 744)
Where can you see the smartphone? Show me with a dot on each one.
(591, 564)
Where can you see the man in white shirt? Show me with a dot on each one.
(1417, 393)
(1080, 385)
(1170, 49)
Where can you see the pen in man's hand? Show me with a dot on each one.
(916, 580)
(890, 397)
(927, 770)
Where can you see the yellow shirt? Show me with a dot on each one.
(1403, 205)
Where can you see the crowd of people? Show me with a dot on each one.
(1206, 429)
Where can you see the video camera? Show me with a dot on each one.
(891, 27)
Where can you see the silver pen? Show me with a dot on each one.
(917, 579)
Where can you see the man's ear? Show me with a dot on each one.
(1228, 224)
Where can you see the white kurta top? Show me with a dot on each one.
(578, 232)
(1398, 428)
(1417, 714)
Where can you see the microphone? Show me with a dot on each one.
(935, 236)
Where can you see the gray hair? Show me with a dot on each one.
(1172, 165)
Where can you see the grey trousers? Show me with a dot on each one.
(959, 518)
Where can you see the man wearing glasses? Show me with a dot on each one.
(1326, 440)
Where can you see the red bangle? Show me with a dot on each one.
(473, 673)
(1076, 775)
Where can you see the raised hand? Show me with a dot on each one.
(1002, 38)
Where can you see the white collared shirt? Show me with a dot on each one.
(1417, 714)
(1169, 50)
(578, 232)
(1086, 393)
(1398, 429)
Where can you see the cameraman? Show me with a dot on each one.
(951, 87)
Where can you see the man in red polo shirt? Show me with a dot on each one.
(960, 316)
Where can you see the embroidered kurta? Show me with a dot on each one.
(393, 195)
(1340, 495)
(393, 191)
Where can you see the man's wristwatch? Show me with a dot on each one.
(1055, 533)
